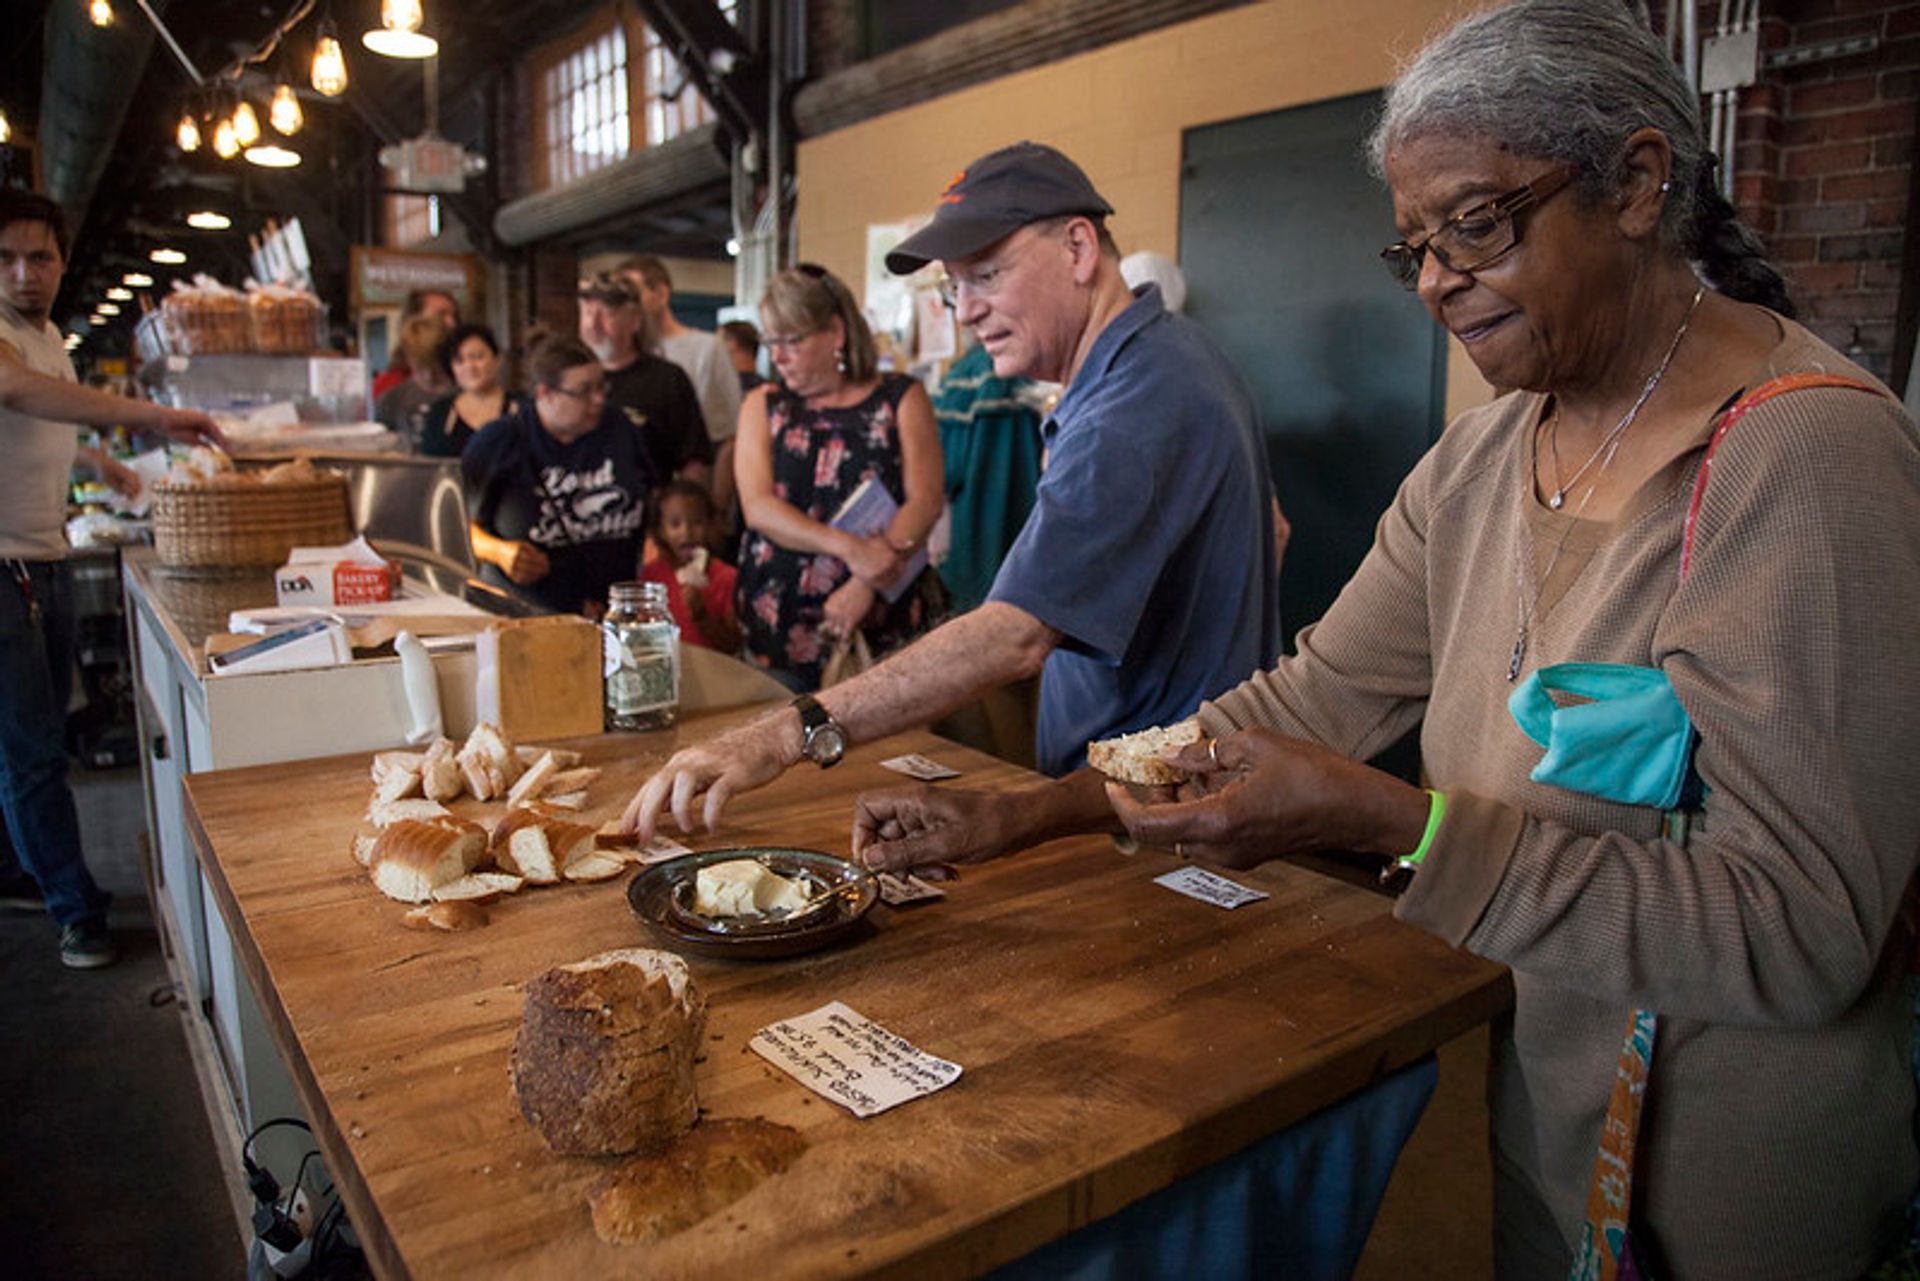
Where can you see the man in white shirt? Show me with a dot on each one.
(40, 406)
(702, 355)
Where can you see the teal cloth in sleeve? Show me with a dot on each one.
(1629, 741)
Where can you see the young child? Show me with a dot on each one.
(699, 585)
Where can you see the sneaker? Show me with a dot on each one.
(21, 893)
(87, 946)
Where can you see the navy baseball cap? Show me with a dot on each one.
(995, 196)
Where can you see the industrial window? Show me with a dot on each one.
(673, 104)
(584, 122)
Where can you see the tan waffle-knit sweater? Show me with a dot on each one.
(1776, 1140)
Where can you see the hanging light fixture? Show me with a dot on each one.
(329, 63)
(226, 143)
(271, 155)
(6, 129)
(284, 113)
(100, 13)
(399, 34)
(108, 309)
(187, 134)
(168, 257)
(119, 294)
(137, 280)
(246, 123)
(209, 220)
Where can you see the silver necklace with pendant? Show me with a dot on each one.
(1608, 447)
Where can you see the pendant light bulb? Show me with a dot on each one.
(226, 143)
(400, 15)
(329, 65)
(246, 124)
(188, 134)
(100, 13)
(6, 129)
(284, 112)
(399, 34)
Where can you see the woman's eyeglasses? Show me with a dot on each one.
(1474, 237)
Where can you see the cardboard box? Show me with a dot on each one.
(540, 677)
(353, 574)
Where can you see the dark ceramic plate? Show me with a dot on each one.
(662, 897)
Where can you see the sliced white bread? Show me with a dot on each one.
(566, 757)
(565, 801)
(412, 858)
(396, 774)
(571, 780)
(488, 762)
(440, 776)
(536, 844)
(1139, 757)
(595, 865)
(478, 887)
(533, 782)
(417, 808)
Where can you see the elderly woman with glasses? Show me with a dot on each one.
(832, 424)
(557, 490)
(1652, 611)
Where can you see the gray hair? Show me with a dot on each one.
(1570, 80)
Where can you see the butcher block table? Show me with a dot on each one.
(1113, 1035)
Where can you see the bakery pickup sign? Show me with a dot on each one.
(851, 1060)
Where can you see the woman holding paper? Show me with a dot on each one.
(805, 449)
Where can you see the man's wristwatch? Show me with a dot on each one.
(824, 739)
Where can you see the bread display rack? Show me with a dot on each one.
(238, 521)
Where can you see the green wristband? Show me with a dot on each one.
(1436, 810)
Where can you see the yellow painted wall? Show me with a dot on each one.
(1119, 111)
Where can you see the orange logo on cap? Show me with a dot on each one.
(947, 197)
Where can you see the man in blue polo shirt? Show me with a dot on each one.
(1144, 580)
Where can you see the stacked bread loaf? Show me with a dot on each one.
(603, 1061)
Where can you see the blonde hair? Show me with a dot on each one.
(805, 299)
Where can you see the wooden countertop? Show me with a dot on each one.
(1114, 1035)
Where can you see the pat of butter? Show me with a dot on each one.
(744, 887)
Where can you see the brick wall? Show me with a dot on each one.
(1823, 164)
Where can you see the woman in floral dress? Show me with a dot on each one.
(803, 448)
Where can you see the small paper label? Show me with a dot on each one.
(1197, 882)
(660, 849)
(897, 889)
(852, 1061)
(920, 767)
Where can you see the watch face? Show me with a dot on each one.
(827, 744)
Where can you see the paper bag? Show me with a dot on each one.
(540, 677)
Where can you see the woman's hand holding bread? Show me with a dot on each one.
(1256, 794)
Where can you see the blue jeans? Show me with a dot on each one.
(36, 667)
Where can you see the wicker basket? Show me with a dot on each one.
(242, 521)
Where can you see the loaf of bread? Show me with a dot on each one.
(1138, 757)
(665, 1192)
(603, 1061)
(411, 858)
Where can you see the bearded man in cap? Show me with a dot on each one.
(1144, 580)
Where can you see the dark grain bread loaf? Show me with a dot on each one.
(603, 1061)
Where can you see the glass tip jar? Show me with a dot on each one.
(641, 645)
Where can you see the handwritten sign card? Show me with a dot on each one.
(851, 1060)
(1197, 882)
